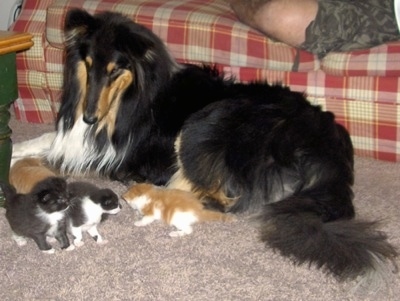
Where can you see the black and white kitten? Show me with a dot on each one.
(90, 205)
(39, 214)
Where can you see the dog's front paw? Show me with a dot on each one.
(34, 147)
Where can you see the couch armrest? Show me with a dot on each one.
(33, 20)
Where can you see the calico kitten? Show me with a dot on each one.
(177, 208)
(89, 206)
(39, 214)
(27, 172)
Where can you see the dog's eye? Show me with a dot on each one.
(114, 71)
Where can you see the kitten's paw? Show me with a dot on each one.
(78, 243)
(177, 233)
(102, 242)
(50, 251)
(139, 223)
(70, 248)
(21, 241)
(51, 239)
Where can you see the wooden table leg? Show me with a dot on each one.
(10, 44)
(8, 93)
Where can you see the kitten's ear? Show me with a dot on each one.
(43, 196)
(108, 197)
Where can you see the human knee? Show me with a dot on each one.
(283, 20)
(286, 20)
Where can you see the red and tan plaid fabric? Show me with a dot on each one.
(360, 87)
(382, 60)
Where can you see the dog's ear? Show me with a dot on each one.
(78, 18)
(78, 23)
(135, 40)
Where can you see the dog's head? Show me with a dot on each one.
(110, 62)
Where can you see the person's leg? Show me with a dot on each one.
(322, 26)
(346, 25)
(282, 20)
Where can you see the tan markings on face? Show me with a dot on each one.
(110, 67)
(110, 98)
(81, 75)
(89, 61)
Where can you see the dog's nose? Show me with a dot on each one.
(89, 119)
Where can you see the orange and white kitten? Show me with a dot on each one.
(177, 208)
(27, 172)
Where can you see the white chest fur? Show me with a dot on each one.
(78, 151)
(52, 219)
(92, 211)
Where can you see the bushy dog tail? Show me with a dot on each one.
(345, 248)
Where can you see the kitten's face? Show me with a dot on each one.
(109, 201)
(51, 195)
(137, 197)
(138, 203)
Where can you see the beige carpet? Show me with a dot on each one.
(217, 262)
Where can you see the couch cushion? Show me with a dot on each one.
(382, 60)
(208, 31)
(195, 31)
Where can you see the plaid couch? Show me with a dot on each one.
(361, 88)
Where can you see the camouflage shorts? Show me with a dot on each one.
(344, 25)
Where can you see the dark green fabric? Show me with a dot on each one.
(8, 93)
(344, 25)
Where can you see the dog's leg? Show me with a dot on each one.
(178, 181)
(34, 147)
(214, 199)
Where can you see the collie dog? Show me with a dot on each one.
(130, 112)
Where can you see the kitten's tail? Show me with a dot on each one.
(208, 215)
(8, 191)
